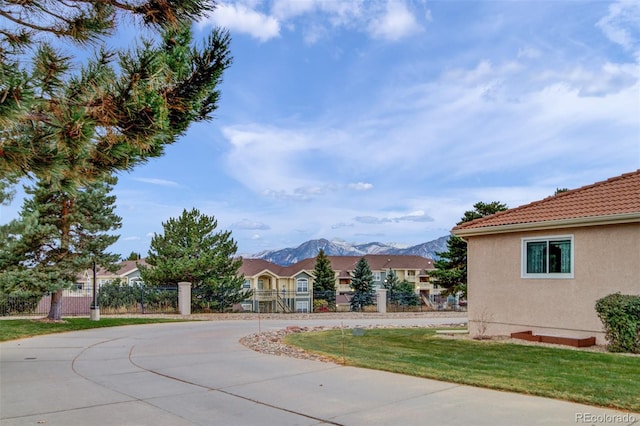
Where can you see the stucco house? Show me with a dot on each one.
(290, 288)
(128, 273)
(542, 266)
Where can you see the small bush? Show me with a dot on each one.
(18, 303)
(620, 315)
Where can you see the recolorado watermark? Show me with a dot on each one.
(606, 418)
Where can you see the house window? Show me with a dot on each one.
(547, 257)
(302, 306)
(302, 285)
(260, 284)
(377, 276)
(246, 284)
(344, 281)
(411, 273)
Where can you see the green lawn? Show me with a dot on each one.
(19, 328)
(602, 379)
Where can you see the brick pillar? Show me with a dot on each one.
(382, 300)
(184, 298)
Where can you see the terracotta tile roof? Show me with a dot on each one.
(616, 196)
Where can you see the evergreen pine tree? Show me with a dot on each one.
(451, 269)
(57, 236)
(362, 285)
(406, 294)
(70, 122)
(391, 283)
(324, 280)
(190, 250)
(134, 256)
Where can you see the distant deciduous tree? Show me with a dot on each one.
(190, 250)
(362, 285)
(451, 269)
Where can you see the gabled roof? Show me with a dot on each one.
(616, 200)
(340, 264)
(124, 268)
(252, 267)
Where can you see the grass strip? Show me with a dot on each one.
(600, 379)
(20, 328)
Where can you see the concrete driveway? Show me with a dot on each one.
(196, 373)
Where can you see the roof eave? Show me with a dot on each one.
(551, 224)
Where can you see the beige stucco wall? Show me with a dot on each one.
(606, 259)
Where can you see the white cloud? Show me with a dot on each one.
(395, 23)
(360, 186)
(341, 225)
(155, 181)
(287, 9)
(317, 19)
(529, 53)
(371, 220)
(419, 216)
(248, 224)
(241, 18)
(622, 25)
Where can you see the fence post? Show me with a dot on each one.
(184, 298)
(381, 294)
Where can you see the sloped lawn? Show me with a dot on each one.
(601, 379)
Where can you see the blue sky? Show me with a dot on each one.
(386, 120)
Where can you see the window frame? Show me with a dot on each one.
(304, 288)
(302, 306)
(547, 239)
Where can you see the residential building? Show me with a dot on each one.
(290, 288)
(541, 267)
(128, 273)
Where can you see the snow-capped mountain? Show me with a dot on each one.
(311, 248)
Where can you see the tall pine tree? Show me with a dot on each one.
(451, 269)
(70, 121)
(58, 235)
(362, 285)
(191, 250)
(324, 280)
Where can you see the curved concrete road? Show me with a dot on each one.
(196, 373)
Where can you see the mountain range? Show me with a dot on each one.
(308, 249)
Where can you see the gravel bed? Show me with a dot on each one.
(271, 342)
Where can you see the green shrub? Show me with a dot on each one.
(620, 315)
(320, 305)
(116, 297)
(19, 303)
